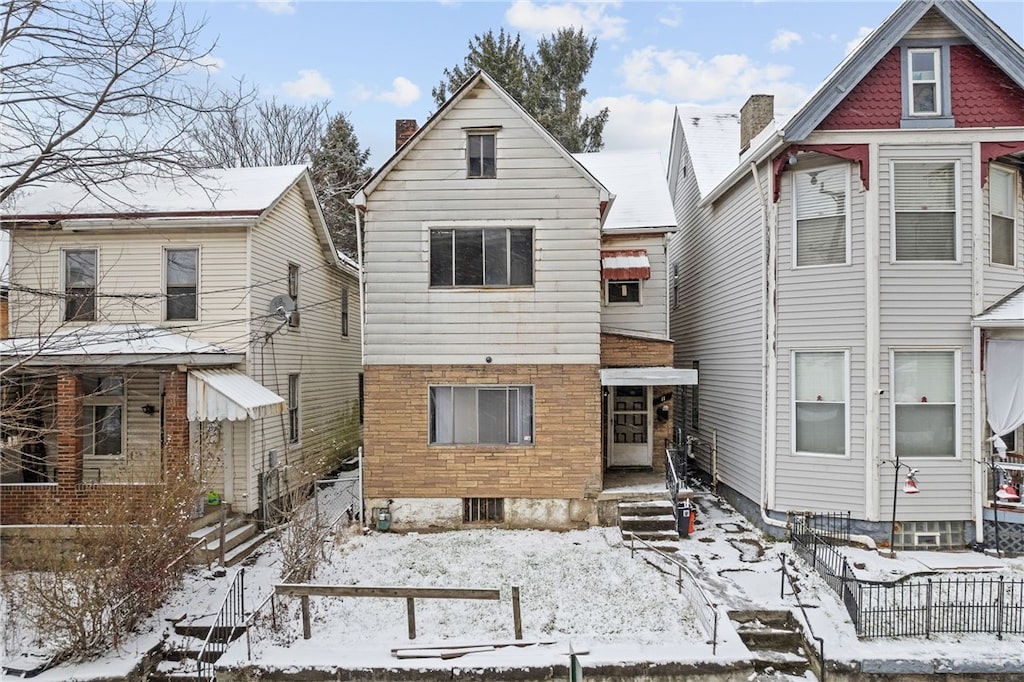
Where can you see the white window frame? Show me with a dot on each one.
(1012, 176)
(525, 440)
(294, 434)
(957, 409)
(608, 283)
(93, 400)
(797, 217)
(845, 353)
(936, 81)
(481, 132)
(64, 283)
(166, 282)
(430, 227)
(957, 209)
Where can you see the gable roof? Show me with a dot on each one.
(359, 199)
(637, 179)
(986, 35)
(713, 140)
(964, 15)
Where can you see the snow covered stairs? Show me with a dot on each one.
(776, 642)
(241, 536)
(649, 520)
(181, 651)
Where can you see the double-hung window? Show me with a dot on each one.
(480, 154)
(821, 233)
(103, 405)
(925, 403)
(474, 257)
(925, 210)
(181, 277)
(80, 285)
(819, 402)
(293, 408)
(493, 415)
(1003, 215)
(924, 68)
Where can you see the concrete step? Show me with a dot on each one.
(647, 523)
(243, 550)
(645, 508)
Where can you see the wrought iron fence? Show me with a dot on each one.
(914, 607)
(228, 626)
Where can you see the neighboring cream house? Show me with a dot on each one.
(204, 324)
(852, 285)
(516, 339)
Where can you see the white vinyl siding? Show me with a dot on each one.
(820, 398)
(822, 207)
(650, 315)
(925, 403)
(1003, 216)
(556, 321)
(925, 205)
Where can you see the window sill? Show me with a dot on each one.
(927, 121)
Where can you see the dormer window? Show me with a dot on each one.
(925, 90)
(480, 154)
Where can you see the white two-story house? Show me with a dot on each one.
(853, 281)
(201, 325)
(516, 336)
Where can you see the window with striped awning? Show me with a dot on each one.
(627, 264)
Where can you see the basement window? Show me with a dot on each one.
(476, 509)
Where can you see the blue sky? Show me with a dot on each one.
(377, 61)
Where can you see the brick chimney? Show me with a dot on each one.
(757, 113)
(404, 129)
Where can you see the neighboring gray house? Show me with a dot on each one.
(848, 284)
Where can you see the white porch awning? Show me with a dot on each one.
(648, 376)
(216, 394)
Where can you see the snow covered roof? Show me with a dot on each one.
(637, 179)
(713, 139)
(232, 191)
(112, 344)
(1008, 312)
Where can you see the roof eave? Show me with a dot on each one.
(118, 359)
(768, 148)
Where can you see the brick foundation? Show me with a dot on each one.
(564, 461)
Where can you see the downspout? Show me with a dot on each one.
(978, 404)
(872, 348)
(979, 475)
(769, 223)
(362, 349)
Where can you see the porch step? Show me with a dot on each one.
(241, 538)
(775, 640)
(650, 520)
(243, 550)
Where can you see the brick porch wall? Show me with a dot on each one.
(69, 500)
(564, 461)
(629, 351)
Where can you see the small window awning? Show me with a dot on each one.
(227, 394)
(648, 376)
(625, 265)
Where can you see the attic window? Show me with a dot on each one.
(925, 90)
(480, 154)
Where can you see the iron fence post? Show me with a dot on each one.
(999, 610)
(928, 610)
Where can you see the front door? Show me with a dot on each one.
(629, 428)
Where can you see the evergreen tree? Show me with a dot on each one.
(339, 168)
(548, 84)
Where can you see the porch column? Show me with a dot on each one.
(176, 422)
(69, 429)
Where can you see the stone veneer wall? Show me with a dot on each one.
(564, 461)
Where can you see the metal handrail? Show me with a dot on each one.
(227, 619)
(706, 610)
(810, 628)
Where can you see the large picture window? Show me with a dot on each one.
(1003, 215)
(821, 231)
(103, 415)
(496, 415)
(474, 257)
(181, 275)
(819, 402)
(80, 285)
(925, 403)
(925, 211)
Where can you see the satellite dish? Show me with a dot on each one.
(281, 307)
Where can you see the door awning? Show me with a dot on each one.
(648, 376)
(227, 394)
(625, 265)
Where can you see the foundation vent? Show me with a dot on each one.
(475, 509)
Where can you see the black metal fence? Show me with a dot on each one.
(913, 607)
(228, 626)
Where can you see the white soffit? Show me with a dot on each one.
(648, 376)
(218, 394)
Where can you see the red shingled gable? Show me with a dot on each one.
(981, 95)
(875, 102)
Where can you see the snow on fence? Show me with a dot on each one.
(914, 607)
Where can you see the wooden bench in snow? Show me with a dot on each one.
(410, 594)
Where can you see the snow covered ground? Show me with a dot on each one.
(581, 589)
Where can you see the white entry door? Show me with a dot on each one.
(629, 428)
